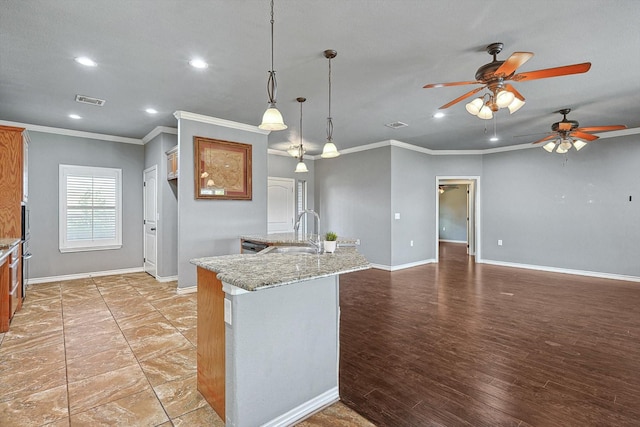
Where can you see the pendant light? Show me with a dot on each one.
(329, 150)
(272, 119)
(301, 166)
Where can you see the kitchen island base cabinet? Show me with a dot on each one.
(281, 350)
(211, 340)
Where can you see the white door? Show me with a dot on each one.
(150, 219)
(280, 205)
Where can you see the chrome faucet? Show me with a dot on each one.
(316, 243)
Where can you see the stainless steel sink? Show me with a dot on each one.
(289, 250)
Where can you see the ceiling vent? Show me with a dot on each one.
(89, 100)
(396, 125)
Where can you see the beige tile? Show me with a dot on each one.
(157, 328)
(88, 344)
(92, 327)
(36, 311)
(93, 315)
(130, 307)
(155, 346)
(36, 409)
(42, 291)
(30, 343)
(41, 323)
(104, 388)
(40, 370)
(140, 319)
(182, 317)
(170, 366)
(64, 422)
(117, 293)
(180, 397)
(191, 334)
(99, 363)
(204, 416)
(140, 409)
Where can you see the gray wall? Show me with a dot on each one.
(46, 152)
(412, 196)
(167, 237)
(213, 227)
(283, 167)
(572, 214)
(453, 214)
(353, 195)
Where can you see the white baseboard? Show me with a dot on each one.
(452, 241)
(561, 270)
(303, 411)
(36, 280)
(402, 266)
(166, 279)
(187, 290)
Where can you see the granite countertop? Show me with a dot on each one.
(253, 272)
(291, 238)
(7, 243)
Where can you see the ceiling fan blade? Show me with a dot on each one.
(465, 96)
(601, 128)
(583, 135)
(512, 63)
(546, 138)
(514, 91)
(432, 85)
(553, 72)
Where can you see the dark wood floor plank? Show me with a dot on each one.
(459, 343)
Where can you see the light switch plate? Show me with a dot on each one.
(227, 311)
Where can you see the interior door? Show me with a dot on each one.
(280, 205)
(150, 220)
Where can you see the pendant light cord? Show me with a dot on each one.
(272, 85)
(329, 119)
(301, 152)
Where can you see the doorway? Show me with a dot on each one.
(280, 205)
(150, 213)
(471, 206)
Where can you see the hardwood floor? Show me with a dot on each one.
(460, 344)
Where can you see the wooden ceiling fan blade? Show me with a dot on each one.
(546, 138)
(601, 128)
(460, 98)
(432, 85)
(512, 63)
(553, 72)
(583, 135)
(513, 90)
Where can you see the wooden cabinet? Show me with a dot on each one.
(172, 163)
(12, 176)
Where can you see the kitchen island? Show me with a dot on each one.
(268, 334)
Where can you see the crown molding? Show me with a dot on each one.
(219, 122)
(76, 133)
(157, 131)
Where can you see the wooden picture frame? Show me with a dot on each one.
(222, 169)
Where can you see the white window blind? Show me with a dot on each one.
(90, 208)
(302, 204)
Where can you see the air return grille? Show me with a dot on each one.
(89, 100)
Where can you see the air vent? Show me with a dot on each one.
(89, 100)
(396, 125)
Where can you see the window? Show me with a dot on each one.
(302, 204)
(90, 208)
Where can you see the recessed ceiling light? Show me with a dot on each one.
(494, 139)
(151, 111)
(74, 116)
(198, 63)
(438, 115)
(85, 61)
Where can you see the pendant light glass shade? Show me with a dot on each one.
(272, 119)
(330, 150)
(301, 167)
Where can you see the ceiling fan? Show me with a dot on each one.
(495, 76)
(566, 134)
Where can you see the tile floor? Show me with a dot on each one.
(112, 350)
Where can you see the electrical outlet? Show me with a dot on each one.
(357, 242)
(411, 243)
(500, 242)
(397, 215)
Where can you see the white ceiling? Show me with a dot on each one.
(387, 50)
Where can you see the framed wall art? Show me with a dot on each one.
(222, 169)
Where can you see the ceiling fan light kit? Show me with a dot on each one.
(272, 119)
(566, 134)
(494, 76)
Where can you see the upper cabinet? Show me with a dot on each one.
(172, 163)
(13, 176)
